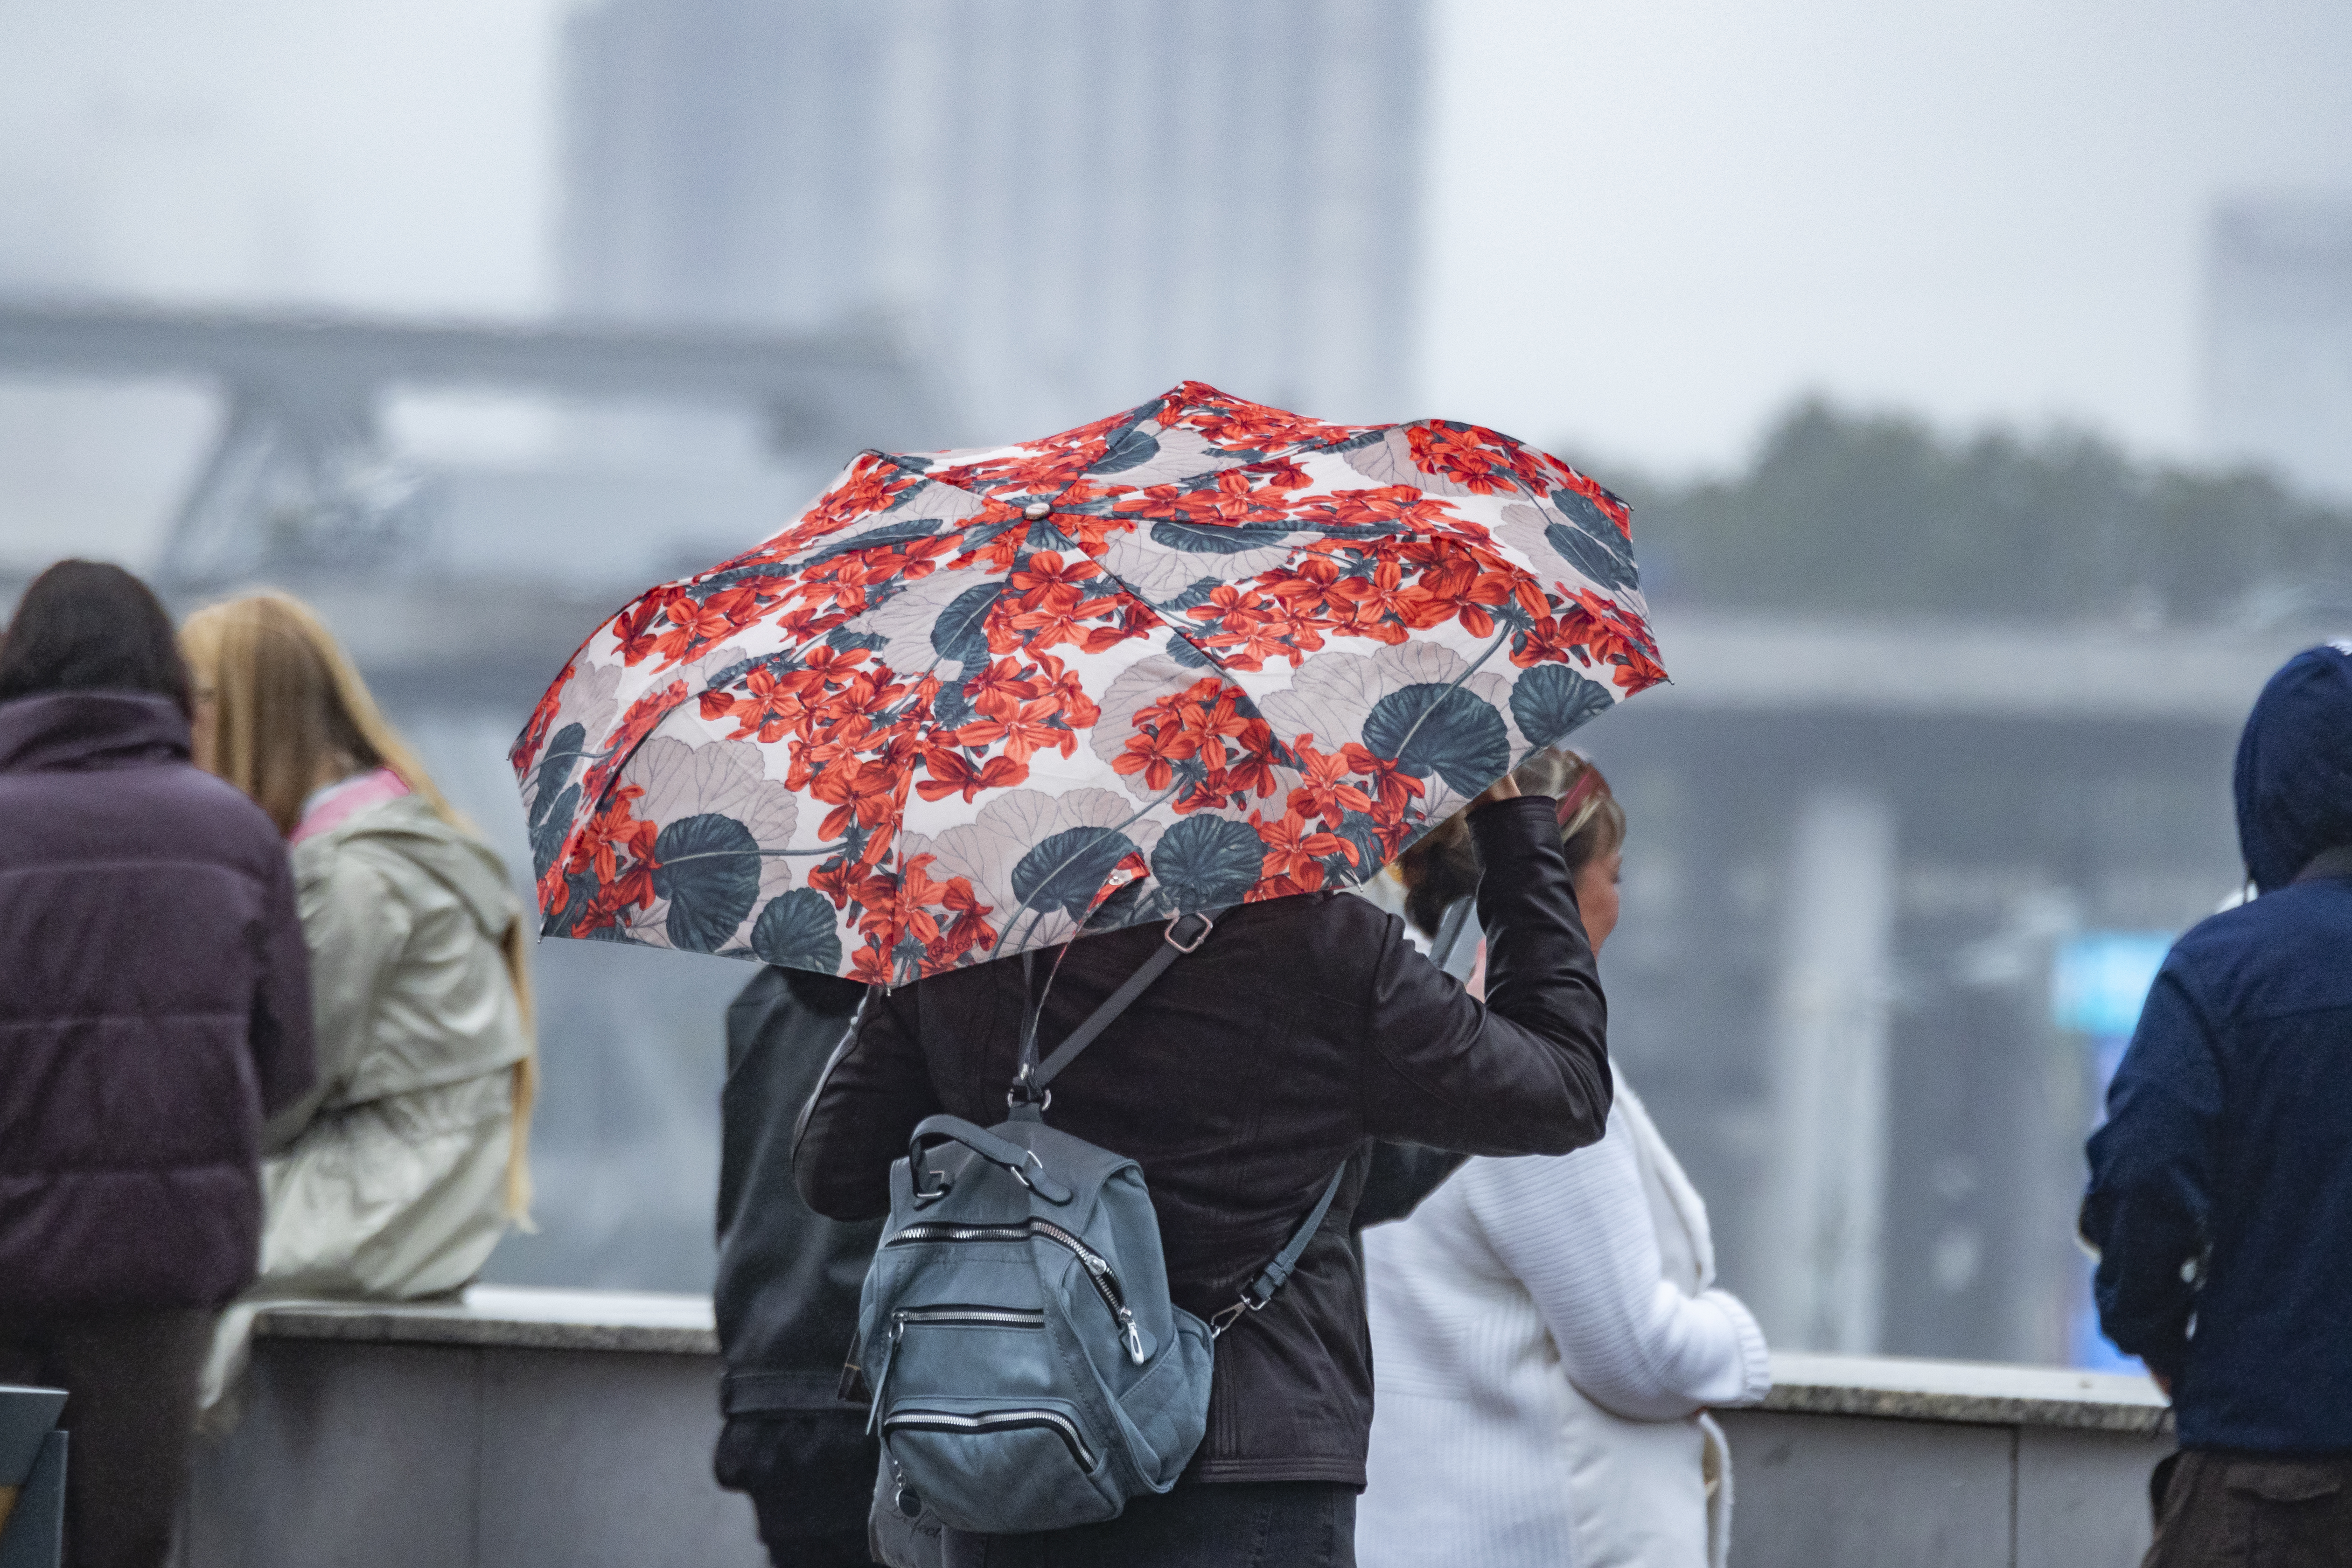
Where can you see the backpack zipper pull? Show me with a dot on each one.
(1133, 1336)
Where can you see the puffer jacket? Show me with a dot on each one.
(2220, 1186)
(1243, 1077)
(153, 1008)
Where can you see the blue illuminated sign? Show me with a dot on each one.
(2101, 979)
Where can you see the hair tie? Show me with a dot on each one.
(1579, 802)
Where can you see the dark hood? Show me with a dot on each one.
(2294, 767)
(59, 730)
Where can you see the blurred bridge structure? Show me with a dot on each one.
(298, 476)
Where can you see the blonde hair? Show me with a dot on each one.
(284, 705)
(1443, 864)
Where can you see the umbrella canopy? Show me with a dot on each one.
(1200, 652)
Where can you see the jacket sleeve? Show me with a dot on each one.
(1578, 1233)
(356, 926)
(1526, 1071)
(857, 1120)
(2152, 1177)
(279, 1032)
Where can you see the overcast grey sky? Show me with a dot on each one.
(1650, 225)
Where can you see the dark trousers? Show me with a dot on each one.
(2266, 1510)
(810, 1477)
(1276, 1524)
(130, 1410)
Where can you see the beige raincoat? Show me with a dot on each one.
(389, 1181)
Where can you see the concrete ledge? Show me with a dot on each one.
(1888, 1387)
(533, 1428)
(509, 1317)
(1976, 1393)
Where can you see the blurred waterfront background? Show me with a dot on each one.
(1982, 375)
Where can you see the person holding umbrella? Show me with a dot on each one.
(1300, 1027)
(1173, 681)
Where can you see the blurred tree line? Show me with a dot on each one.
(1847, 513)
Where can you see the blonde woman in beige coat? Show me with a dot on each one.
(396, 1177)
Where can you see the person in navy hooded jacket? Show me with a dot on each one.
(2220, 1196)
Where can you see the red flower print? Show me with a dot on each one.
(1250, 774)
(1135, 620)
(1397, 505)
(1295, 850)
(950, 774)
(1392, 789)
(1382, 605)
(1235, 425)
(633, 627)
(1032, 728)
(542, 719)
(644, 714)
(871, 964)
(1615, 638)
(617, 853)
(770, 706)
(1002, 687)
(1233, 499)
(1063, 688)
(1480, 459)
(1323, 790)
(864, 792)
(1047, 581)
(692, 628)
(1153, 750)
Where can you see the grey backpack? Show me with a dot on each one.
(1028, 1370)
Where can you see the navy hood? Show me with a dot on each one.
(2294, 767)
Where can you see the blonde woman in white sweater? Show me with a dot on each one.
(1545, 1331)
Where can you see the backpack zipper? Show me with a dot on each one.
(1097, 1267)
(958, 1315)
(988, 1421)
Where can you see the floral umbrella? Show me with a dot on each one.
(1200, 652)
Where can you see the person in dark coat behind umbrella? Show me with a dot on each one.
(2220, 1196)
(787, 1285)
(154, 1008)
(1240, 1081)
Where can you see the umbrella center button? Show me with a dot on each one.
(1037, 511)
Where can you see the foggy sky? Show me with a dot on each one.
(1649, 226)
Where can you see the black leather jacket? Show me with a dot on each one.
(1253, 1069)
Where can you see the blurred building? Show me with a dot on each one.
(1068, 204)
(1866, 865)
(2279, 352)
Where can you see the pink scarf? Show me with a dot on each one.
(331, 807)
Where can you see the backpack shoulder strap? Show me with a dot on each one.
(1184, 934)
(1276, 1273)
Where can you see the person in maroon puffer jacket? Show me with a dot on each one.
(154, 1008)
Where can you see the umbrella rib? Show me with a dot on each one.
(1036, 915)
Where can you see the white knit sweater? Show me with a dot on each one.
(1544, 1341)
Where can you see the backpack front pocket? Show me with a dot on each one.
(993, 1466)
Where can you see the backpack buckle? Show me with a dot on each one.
(1207, 925)
(1023, 1093)
(1247, 1302)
